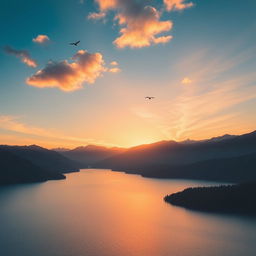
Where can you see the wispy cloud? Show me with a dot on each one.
(171, 5)
(85, 68)
(23, 55)
(96, 15)
(41, 39)
(140, 23)
(209, 105)
(12, 123)
(16, 125)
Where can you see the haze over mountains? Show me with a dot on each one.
(227, 158)
(91, 154)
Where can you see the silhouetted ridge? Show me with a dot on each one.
(224, 158)
(91, 154)
(14, 170)
(44, 158)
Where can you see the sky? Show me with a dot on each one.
(197, 58)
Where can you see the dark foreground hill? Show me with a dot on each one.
(21, 164)
(15, 170)
(235, 199)
(44, 158)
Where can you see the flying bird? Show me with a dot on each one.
(149, 97)
(76, 43)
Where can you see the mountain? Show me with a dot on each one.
(14, 170)
(234, 169)
(91, 154)
(223, 137)
(60, 149)
(235, 199)
(201, 160)
(44, 158)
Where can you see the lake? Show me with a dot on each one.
(105, 213)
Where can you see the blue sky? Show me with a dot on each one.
(213, 47)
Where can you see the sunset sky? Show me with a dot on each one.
(197, 58)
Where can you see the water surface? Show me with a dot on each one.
(104, 213)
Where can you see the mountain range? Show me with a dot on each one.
(228, 158)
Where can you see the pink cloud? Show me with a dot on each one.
(41, 39)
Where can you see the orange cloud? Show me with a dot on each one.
(23, 55)
(114, 63)
(105, 5)
(141, 30)
(171, 5)
(140, 24)
(85, 68)
(114, 70)
(186, 80)
(41, 39)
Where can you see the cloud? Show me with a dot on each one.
(96, 15)
(186, 80)
(85, 68)
(41, 39)
(34, 134)
(140, 24)
(114, 70)
(218, 100)
(21, 54)
(179, 5)
(12, 123)
(114, 63)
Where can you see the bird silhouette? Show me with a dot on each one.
(149, 97)
(75, 43)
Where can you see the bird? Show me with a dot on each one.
(149, 97)
(76, 43)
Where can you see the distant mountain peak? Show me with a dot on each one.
(223, 137)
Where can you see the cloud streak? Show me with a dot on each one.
(14, 124)
(140, 24)
(85, 68)
(96, 16)
(23, 55)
